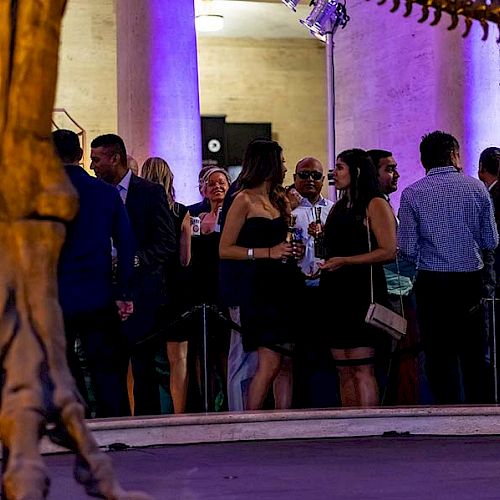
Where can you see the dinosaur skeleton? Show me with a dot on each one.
(483, 11)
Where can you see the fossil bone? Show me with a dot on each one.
(471, 10)
(36, 198)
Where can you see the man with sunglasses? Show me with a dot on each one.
(312, 366)
(308, 179)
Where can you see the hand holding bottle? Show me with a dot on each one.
(315, 229)
(281, 251)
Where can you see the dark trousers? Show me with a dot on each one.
(105, 354)
(450, 318)
(315, 381)
(146, 387)
(139, 330)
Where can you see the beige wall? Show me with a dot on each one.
(87, 71)
(277, 81)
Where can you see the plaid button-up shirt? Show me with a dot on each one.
(446, 220)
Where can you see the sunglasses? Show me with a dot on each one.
(310, 174)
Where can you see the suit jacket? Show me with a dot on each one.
(154, 232)
(197, 208)
(85, 270)
(495, 196)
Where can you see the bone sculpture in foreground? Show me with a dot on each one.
(36, 199)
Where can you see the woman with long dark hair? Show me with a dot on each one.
(361, 214)
(255, 231)
(157, 170)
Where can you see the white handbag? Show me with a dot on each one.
(380, 316)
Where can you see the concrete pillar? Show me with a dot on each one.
(398, 79)
(481, 60)
(158, 100)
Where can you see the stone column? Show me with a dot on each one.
(158, 100)
(398, 79)
(481, 61)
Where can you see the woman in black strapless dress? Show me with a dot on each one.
(345, 277)
(255, 232)
(266, 312)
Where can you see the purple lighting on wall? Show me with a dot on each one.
(482, 99)
(175, 129)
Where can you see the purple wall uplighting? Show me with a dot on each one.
(158, 99)
(481, 97)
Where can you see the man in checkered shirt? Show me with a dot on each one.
(446, 221)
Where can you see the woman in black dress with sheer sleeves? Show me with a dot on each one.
(157, 170)
(255, 232)
(345, 278)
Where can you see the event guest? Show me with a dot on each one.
(489, 165)
(387, 171)
(153, 228)
(402, 376)
(132, 165)
(309, 177)
(446, 221)
(315, 376)
(293, 196)
(361, 214)
(255, 231)
(157, 170)
(488, 171)
(205, 249)
(241, 364)
(204, 205)
(91, 303)
(205, 280)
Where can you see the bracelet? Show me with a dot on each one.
(269, 252)
(250, 254)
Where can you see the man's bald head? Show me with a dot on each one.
(308, 178)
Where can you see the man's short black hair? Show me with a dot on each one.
(114, 143)
(490, 160)
(378, 154)
(67, 146)
(437, 149)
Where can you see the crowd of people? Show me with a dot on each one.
(256, 297)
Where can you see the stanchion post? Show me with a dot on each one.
(205, 356)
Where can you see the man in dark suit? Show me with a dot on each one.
(489, 169)
(489, 166)
(147, 208)
(92, 304)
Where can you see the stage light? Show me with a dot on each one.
(209, 22)
(291, 4)
(326, 17)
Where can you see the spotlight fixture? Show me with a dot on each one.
(291, 4)
(326, 17)
(209, 22)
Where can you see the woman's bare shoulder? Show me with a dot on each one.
(378, 204)
(244, 197)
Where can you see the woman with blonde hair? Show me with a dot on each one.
(157, 170)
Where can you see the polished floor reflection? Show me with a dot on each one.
(395, 468)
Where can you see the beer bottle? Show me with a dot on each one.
(319, 252)
(291, 235)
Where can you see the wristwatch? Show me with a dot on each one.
(250, 254)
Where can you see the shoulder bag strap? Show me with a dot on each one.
(371, 268)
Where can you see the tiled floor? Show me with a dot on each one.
(389, 468)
